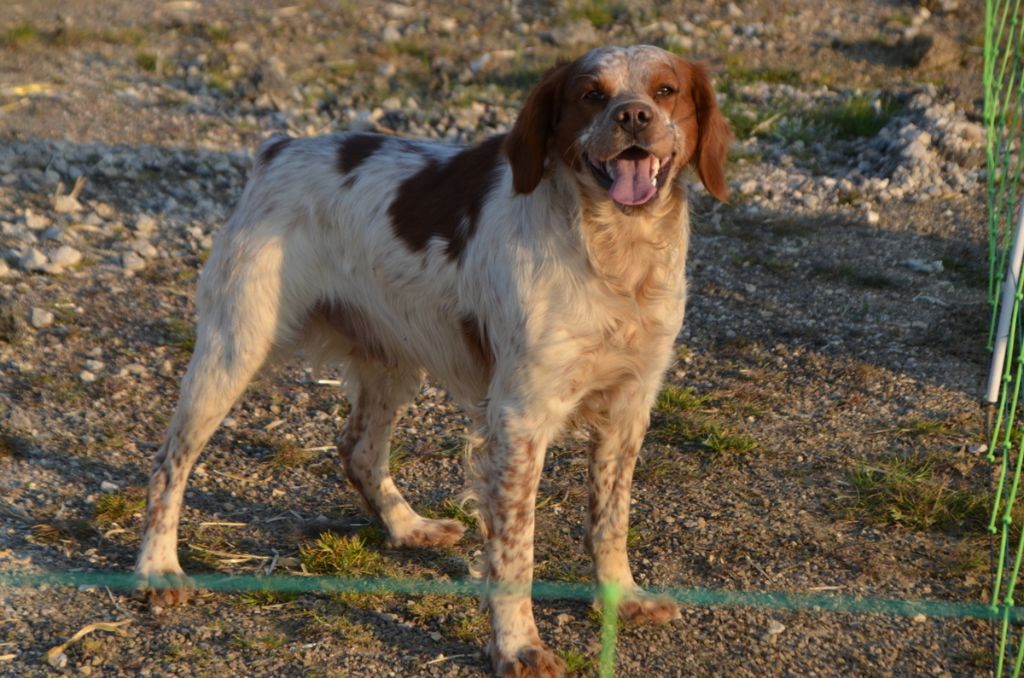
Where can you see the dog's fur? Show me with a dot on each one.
(524, 273)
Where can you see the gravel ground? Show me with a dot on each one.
(834, 341)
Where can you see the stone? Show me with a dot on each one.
(132, 262)
(36, 222)
(145, 224)
(32, 260)
(66, 255)
(40, 318)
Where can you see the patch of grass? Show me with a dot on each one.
(56, 531)
(264, 598)
(146, 61)
(177, 333)
(577, 662)
(855, 276)
(279, 453)
(337, 624)
(453, 509)
(118, 507)
(20, 34)
(861, 115)
(916, 493)
(219, 82)
(675, 399)
(600, 13)
(332, 554)
(974, 274)
(685, 419)
(737, 72)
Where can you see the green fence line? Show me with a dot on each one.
(694, 597)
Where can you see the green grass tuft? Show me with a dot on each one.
(146, 61)
(861, 115)
(915, 493)
(20, 34)
(117, 507)
(577, 662)
(332, 554)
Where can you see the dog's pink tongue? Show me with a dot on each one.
(632, 185)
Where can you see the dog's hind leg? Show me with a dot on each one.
(239, 321)
(377, 392)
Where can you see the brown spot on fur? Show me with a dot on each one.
(354, 149)
(354, 325)
(445, 198)
(272, 148)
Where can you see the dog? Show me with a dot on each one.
(540, 275)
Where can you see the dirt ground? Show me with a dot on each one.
(820, 432)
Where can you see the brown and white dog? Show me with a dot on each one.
(540, 276)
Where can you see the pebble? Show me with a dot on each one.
(36, 222)
(40, 318)
(87, 376)
(32, 260)
(922, 266)
(132, 262)
(144, 224)
(107, 486)
(65, 255)
(144, 248)
(775, 628)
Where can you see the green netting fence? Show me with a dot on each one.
(1003, 80)
(692, 597)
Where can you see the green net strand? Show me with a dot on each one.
(1003, 111)
(687, 597)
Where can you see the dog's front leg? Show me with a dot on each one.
(615, 446)
(507, 490)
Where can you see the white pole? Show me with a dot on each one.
(995, 375)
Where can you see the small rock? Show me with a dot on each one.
(132, 262)
(775, 628)
(87, 376)
(36, 222)
(103, 210)
(579, 33)
(94, 365)
(4, 268)
(977, 449)
(919, 619)
(391, 34)
(40, 318)
(922, 266)
(32, 260)
(57, 660)
(66, 256)
(872, 217)
(748, 187)
(144, 248)
(107, 486)
(145, 224)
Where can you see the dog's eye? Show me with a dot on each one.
(595, 96)
(664, 91)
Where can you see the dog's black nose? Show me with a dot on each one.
(633, 116)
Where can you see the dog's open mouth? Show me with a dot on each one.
(632, 177)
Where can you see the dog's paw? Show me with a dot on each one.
(530, 662)
(165, 589)
(426, 532)
(642, 608)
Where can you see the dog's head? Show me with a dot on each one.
(626, 120)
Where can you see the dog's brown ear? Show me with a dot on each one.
(527, 144)
(713, 135)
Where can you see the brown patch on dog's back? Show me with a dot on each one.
(354, 149)
(446, 197)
